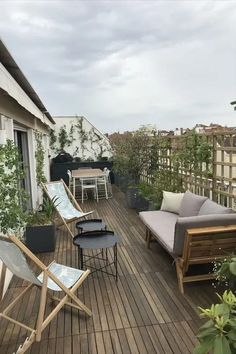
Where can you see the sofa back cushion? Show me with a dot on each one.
(191, 204)
(210, 207)
(171, 202)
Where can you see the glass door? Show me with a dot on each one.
(21, 141)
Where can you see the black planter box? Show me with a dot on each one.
(132, 196)
(40, 238)
(135, 200)
(142, 203)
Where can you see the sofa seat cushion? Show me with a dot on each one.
(191, 204)
(162, 226)
(210, 207)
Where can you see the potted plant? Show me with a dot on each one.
(130, 161)
(218, 334)
(145, 197)
(40, 233)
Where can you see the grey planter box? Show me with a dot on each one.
(40, 238)
(132, 196)
(142, 203)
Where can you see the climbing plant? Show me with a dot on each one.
(98, 144)
(83, 141)
(191, 152)
(65, 138)
(13, 199)
(39, 157)
(53, 140)
(83, 136)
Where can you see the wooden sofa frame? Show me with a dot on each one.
(201, 246)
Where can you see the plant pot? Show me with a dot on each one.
(142, 203)
(40, 238)
(123, 183)
(132, 197)
(151, 205)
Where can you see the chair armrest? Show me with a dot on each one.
(201, 221)
(207, 230)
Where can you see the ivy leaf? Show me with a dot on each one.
(232, 335)
(204, 346)
(221, 345)
(208, 332)
(232, 268)
(232, 322)
(206, 325)
(222, 310)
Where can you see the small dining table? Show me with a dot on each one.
(86, 173)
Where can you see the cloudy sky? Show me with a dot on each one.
(123, 64)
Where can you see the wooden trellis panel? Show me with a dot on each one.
(219, 184)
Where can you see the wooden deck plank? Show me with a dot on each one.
(141, 313)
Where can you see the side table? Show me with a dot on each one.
(90, 225)
(97, 240)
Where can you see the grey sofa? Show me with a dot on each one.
(171, 229)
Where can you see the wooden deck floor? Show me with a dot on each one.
(142, 313)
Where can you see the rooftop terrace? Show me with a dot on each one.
(142, 313)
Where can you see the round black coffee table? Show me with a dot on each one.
(98, 240)
(90, 225)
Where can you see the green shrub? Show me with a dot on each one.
(218, 334)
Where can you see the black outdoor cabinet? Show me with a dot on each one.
(59, 170)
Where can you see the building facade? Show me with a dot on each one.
(23, 119)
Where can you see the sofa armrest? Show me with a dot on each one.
(185, 223)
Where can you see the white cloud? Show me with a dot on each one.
(123, 64)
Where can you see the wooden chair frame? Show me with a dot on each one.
(202, 245)
(65, 222)
(42, 323)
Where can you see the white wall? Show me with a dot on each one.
(9, 85)
(91, 145)
(11, 112)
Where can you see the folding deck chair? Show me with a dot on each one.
(55, 277)
(66, 204)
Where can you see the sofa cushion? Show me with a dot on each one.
(162, 226)
(191, 204)
(171, 202)
(210, 207)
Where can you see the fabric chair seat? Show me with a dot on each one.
(65, 203)
(55, 277)
(67, 275)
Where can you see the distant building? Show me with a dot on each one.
(212, 128)
(149, 129)
(204, 129)
(179, 131)
(199, 128)
(163, 132)
(234, 104)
